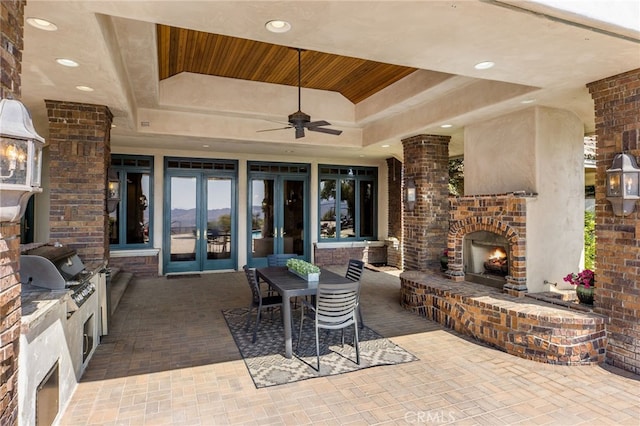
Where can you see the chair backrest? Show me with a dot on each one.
(280, 259)
(252, 279)
(354, 270)
(336, 304)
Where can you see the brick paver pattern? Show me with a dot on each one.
(170, 360)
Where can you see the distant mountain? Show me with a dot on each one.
(189, 216)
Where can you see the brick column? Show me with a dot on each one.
(11, 46)
(617, 110)
(394, 184)
(425, 229)
(79, 157)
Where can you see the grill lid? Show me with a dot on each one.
(53, 267)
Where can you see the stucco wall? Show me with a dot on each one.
(540, 150)
(555, 218)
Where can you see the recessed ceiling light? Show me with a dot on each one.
(446, 126)
(527, 101)
(42, 24)
(205, 146)
(278, 26)
(484, 65)
(67, 62)
(85, 88)
(385, 145)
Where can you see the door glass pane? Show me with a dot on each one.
(219, 218)
(328, 208)
(183, 219)
(366, 209)
(137, 187)
(347, 208)
(293, 217)
(262, 219)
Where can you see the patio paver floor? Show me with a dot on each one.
(170, 360)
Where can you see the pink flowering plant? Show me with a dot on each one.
(586, 277)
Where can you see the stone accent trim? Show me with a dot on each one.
(503, 214)
(424, 229)
(79, 157)
(528, 329)
(617, 115)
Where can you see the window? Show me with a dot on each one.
(347, 203)
(130, 224)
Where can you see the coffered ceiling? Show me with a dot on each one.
(205, 77)
(183, 50)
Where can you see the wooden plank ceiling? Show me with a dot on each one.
(182, 50)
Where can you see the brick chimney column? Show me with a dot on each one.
(394, 184)
(617, 107)
(11, 33)
(79, 157)
(425, 228)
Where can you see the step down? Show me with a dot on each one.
(119, 283)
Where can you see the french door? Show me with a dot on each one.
(278, 213)
(200, 211)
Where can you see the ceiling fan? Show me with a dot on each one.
(299, 120)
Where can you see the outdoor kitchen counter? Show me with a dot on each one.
(40, 306)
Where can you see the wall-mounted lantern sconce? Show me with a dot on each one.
(20, 159)
(410, 194)
(113, 191)
(623, 184)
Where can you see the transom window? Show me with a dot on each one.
(348, 198)
(130, 225)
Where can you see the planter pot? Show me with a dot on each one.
(444, 263)
(585, 295)
(308, 277)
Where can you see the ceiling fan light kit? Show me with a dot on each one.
(299, 120)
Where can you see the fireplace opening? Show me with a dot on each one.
(486, 258)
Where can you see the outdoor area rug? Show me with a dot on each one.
(268, 366)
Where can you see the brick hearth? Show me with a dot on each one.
(520, 326)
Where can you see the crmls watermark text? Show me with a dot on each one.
(425, 417)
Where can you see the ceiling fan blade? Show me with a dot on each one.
(325, 130)
(317, 123)
(299, 132)
(271, 130)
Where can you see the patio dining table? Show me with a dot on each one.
(289, 285)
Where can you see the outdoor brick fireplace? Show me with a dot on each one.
(479, 225)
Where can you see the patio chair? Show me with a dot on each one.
(334, 309)
(257, 301)
(280, 259)
(354, 272)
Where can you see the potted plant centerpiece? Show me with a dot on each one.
(304, 269)
(584, 282)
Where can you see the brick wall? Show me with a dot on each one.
(424, 230)
(617, 294)
(395, 191)
(79, 156)
(395, 197)
(341, 255)
(11, 45)
(140, 266)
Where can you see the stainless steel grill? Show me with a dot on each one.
(57, 267)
